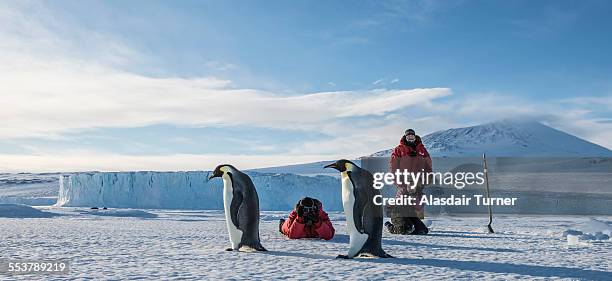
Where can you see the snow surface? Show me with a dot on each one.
(190, 190)
(119, 213)
(507, 138)
(22, 211)
(590, 230)
(190, 245)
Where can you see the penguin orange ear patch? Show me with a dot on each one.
(347, 165)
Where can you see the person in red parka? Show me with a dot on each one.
(410, 155)
(307, 220)
(410, 145)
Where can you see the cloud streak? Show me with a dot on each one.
(50, 99)
(47, 89)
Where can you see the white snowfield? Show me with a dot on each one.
(30, 189)
(124, 244)
(189, 190)
(9, 210)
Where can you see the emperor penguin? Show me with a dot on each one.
(241, 205)
(364, 219)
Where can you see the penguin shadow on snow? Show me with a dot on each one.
(501, 268)
(497, 235)
(445, 247)
(462, 234)
(297, 254)
(482, 266)
(338, 238)
(344, 239)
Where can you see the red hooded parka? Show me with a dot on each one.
(296, 228)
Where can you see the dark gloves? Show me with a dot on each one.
(300, 210)
(311, 218)
(307, 210)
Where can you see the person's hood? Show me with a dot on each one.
(417, 140)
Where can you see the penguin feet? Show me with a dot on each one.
(252, 248)
(247, 249)
(228, 249)
(343, 257)
(368, 256)
(378, 255)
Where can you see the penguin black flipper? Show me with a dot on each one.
(235, 208)
(359, 206)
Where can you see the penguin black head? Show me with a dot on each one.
(341, 165)
(219, 170)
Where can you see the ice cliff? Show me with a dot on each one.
(189, 190)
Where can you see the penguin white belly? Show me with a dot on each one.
(356, 239)
(235, 234)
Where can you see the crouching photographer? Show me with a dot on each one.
(307, 220)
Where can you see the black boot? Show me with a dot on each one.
(399, 226)
(390, 227)
(419, 226)
(280, 225)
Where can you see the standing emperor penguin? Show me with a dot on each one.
(364, 219)
(241, 206)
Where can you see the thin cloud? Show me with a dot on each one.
(550, 21)
(67, 97)
(46, 90)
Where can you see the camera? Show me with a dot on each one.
(308, 209)
(310, 214)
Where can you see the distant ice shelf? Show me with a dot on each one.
(190, 190)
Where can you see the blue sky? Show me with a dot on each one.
(185, 84)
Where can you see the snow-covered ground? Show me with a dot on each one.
(167, 245)
(29, 189)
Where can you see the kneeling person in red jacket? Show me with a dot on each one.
(307, 220)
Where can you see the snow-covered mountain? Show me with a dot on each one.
(507, 138)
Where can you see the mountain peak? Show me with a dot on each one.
(507, 138)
